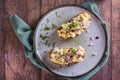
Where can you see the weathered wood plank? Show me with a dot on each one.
(63, 2)
(46, 5)
(17, 66)
(2, 41)
(115, 39)
(79, 1)
(115, 60)
(115, 19)
(34, 7)
(9, 34)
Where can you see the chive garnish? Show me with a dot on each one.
(43, 37)
(53, 26)
(46, 28)
(73, 24)
(73, 52)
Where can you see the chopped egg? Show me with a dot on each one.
(67, 56)
(74, 27)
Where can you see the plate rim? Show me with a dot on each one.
(68, 5)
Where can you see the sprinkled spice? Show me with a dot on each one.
(43, 37)
(97, 37)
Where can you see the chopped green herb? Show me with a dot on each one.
(73, 52)
(53, 26)
(43, 37)
(46, 28)
(53, 44)
(47, 43)
(73, 24)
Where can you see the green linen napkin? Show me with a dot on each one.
(25, 34)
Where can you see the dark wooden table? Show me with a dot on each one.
(15, 66)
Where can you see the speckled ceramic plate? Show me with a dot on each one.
(46, 38)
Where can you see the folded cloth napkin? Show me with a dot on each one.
(25, 34)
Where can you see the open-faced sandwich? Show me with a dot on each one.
(67, 56)
(75, 26)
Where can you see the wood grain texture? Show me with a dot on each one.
(2, 40)
(115, 39)
(34, 13)
(15, 66)
(46, 5)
